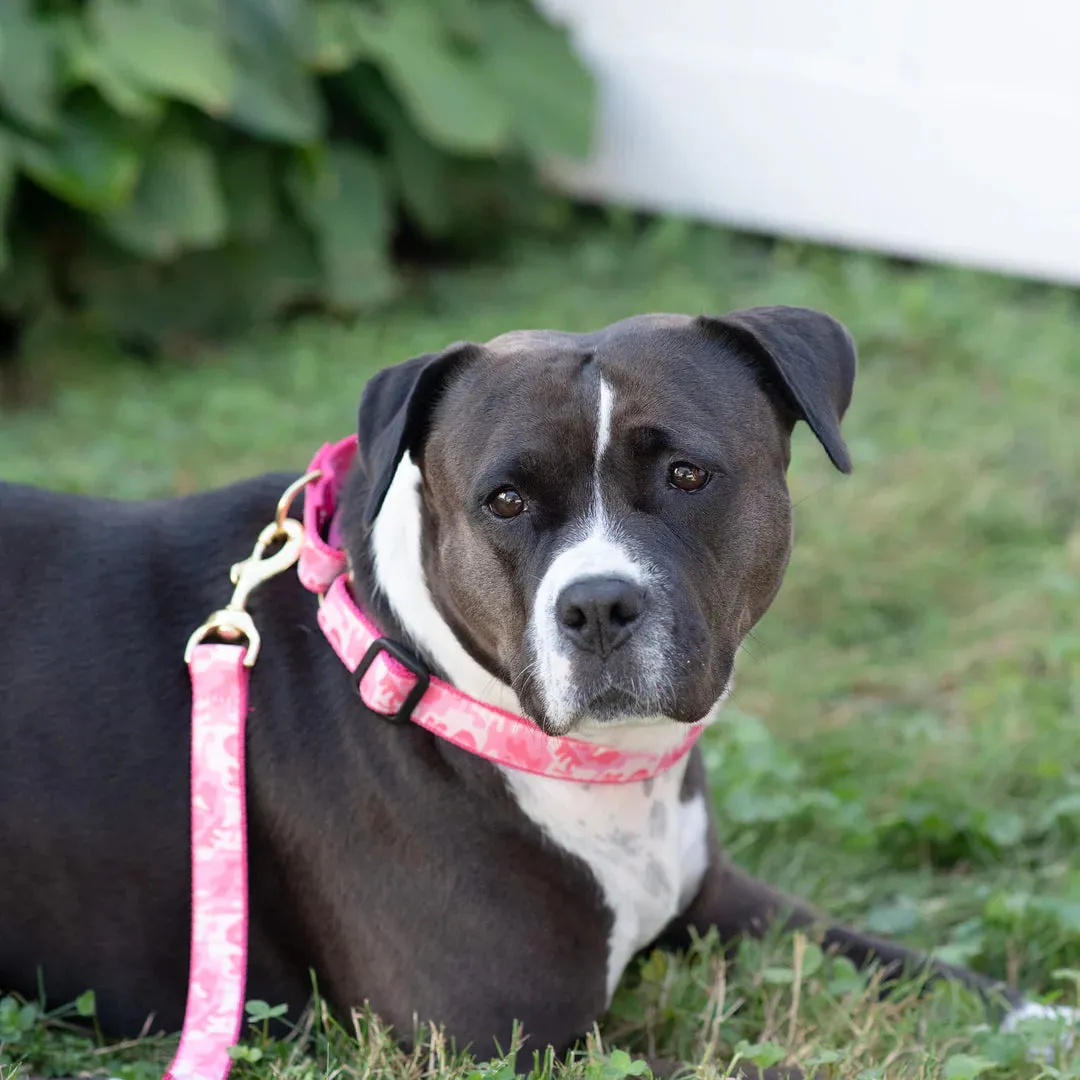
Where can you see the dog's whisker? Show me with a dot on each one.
(811, 494)
(744, 648)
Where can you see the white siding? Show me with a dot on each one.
(945, 129)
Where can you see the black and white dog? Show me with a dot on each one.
(579, 528)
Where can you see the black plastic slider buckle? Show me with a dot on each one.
(410, 662)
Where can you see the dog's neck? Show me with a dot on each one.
(397, 575)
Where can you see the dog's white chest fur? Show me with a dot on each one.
(645, 847)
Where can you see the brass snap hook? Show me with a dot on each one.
(232, 622)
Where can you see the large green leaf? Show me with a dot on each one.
(26, 285)
(423, 175)
(28, 69)
(7, 186)
(338, 35)
(275, 97)
(465, 19)
(177, 205)
(344, 200)
(449, 95)
(421, 172)
(248, 174)
(92, 160)
(201, 294)
(547, 88)
(174, 47)
(87, 65)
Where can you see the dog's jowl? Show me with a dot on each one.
(576, 529)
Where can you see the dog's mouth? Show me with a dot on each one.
(608, 704)
(614, 704)
(624, 691)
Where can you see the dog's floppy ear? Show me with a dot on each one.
(395, 408)
(808, 356)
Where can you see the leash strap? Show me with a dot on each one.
(219, 885)
(219, 879)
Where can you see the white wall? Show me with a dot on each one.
(944, 129)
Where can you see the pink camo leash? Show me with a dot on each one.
(390, 681)
(219, 897)
(219, 881)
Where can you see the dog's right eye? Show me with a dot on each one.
(506, 503)
(686, 476)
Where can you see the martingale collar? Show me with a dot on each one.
(397, 685)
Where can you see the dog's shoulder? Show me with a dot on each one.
(30, 512)
(65, 552)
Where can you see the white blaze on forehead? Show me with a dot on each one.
(603, 427)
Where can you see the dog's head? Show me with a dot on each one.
(598, 519)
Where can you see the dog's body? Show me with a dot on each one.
(530, 516)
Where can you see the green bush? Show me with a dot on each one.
(179, 168)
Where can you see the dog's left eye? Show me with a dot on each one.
(686, 476)
(506, 503)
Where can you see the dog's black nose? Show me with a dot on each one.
(598, 614)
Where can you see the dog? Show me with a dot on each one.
(580, 529)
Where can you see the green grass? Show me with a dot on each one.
(902, 747)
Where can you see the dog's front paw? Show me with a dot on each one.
(1059, 1024)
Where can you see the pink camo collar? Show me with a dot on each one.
(393, 684)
